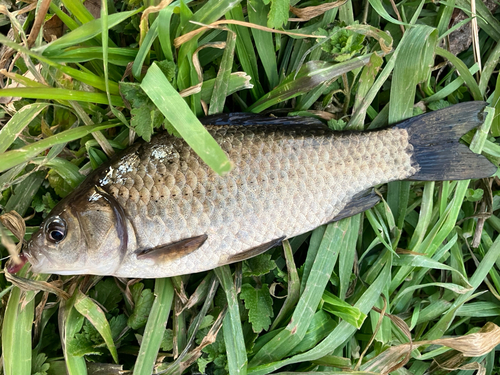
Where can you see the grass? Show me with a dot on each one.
(411, 286)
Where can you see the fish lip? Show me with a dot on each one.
(37, 258)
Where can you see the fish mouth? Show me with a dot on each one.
(16, 267)
(36, 258)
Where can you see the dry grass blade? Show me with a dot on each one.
(475, 34)
(179, 289)
(452, 361)
(377, 328)
(307, 13)
(472, 345)
(40, 18)
(210, 338)
(152, 9)
(190, 91)
(196, 60)
(14, 223)
(200, 294)
(37, 286)
(401, 324)
(188, 36)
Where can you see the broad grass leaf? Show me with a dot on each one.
(155, 327)
(25, 153)
(85, 32)
(321, 326)
(18, 122)
(177, 112)
(342, 309)
(232, 327)
(95, 315)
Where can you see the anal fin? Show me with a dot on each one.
(173, 250)
(254, 251)
(359, 203)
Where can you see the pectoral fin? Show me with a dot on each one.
(359, 203)
(254, 251)
(173, 250)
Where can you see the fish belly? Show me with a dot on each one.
(285, 181)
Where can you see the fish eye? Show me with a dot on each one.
(55, 229)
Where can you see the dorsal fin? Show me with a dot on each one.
(173, 250)
(252, 119)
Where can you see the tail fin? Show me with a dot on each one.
(435, 140)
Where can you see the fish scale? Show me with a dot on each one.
(285, 181)
(158, 210)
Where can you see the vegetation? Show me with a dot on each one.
(411, 286)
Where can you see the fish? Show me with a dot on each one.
(157, 210)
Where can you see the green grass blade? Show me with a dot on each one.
(16, 332)
(67, 20)
(336, 238)
(321, 325)
(379, 8)
(18, 122)
(12, 158)
(144, 49)
(343, 310)
(439, 329)
(221, 85)
(153, 333)
(464, 72)
(346, 257)
(78, 10)
(164, 18)
(64, 168)
(418, 42)
(60, 94)
(293, 286)
(70, 323)
(89, 309)
(85, 32)
(232, 330)
(488, 69)
(311, 75)
(116, 56)
(366, 81)
(342, 332)
(24, 193)
(25, 81)
(450, 88)
(176, 111)
(245, 50)
(237, 81)
(83, 76)
(257, 14)
(105, 60)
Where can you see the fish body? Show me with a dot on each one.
(158, 210)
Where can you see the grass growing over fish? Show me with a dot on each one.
(411, 286)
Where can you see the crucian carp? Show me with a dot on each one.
(158, 210)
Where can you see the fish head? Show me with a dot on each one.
(83, 234)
